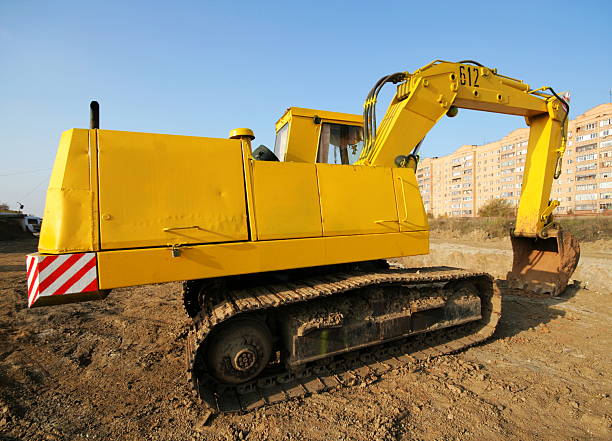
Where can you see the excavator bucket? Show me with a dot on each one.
(544, 265)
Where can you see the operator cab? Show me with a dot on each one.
(309, 135)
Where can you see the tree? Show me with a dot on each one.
(496, 208)
(4, 206)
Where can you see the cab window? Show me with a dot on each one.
(340, 144)
(280, 145)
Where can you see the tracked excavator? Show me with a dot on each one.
(283, 253)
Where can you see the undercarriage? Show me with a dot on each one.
(267, 338)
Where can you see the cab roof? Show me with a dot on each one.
(325, 115)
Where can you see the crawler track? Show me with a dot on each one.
(276, 384)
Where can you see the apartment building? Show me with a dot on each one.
(460, 183)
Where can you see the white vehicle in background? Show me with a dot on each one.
(31, 224)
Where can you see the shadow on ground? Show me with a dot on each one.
(523, 310)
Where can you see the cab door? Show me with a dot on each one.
(357, 199)
(354, 199)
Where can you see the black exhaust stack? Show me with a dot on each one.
(94, 115)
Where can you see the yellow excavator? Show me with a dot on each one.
(283, 253)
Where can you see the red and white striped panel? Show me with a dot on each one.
(50, 275)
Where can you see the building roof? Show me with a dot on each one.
(596, 111)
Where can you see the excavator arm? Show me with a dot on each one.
(440, 89)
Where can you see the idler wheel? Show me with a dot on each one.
(238, 350)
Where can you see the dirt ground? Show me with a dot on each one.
(114, 370)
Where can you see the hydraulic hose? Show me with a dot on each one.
(369, 108)
(566, 106)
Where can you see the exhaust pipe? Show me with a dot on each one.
(94, 115)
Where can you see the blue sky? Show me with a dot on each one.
(202, 68)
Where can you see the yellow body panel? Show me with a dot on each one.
(286, 200)
(412, 216)
(70, 222)
(303, 140)
(157, 190)
(357, 200)
(154, 265)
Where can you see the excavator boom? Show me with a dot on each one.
(544, 256)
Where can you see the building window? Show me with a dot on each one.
(589, 126)
(585, 177)
(584, 187)
(591, 166)
(585, 207)
(586, 137)
(586, 197)
(588, 157)
(584, 148)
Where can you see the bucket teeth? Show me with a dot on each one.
(544, 266)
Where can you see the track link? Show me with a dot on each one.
(277, 385)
